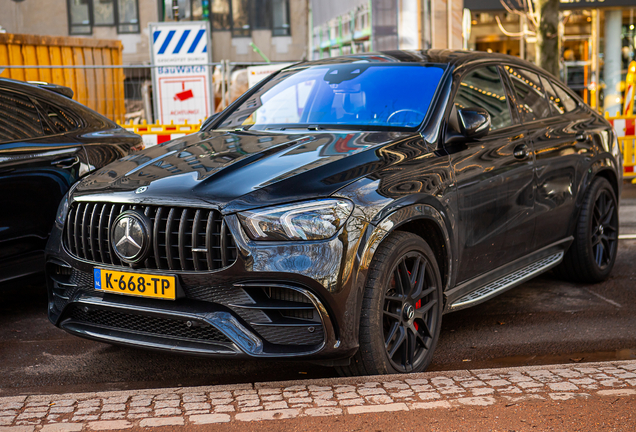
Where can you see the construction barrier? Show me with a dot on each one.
(625, 127)
(86, 65)
(153, 134)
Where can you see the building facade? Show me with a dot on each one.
(340, 27)
(277, 28)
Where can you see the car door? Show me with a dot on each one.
(37, 167)
(556, 152)
(494, 179)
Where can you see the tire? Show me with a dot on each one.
(591, 256)
(399, 307)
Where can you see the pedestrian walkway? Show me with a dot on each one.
(330, 397)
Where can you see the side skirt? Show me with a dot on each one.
(493, 283)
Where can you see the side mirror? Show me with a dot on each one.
(473, 123)
(206, 124)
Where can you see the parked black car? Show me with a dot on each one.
(338, 210)
(47, 142)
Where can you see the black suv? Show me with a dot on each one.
(336, 211)
(47, 142)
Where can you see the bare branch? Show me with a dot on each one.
(512, 34)
(532, 13)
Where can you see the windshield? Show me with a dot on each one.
(358, 95)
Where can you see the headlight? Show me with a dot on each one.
(310, 220)
(62, 211)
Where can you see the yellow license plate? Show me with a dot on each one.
(136, 284)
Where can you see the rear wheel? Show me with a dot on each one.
(593, 252)
(401, 311)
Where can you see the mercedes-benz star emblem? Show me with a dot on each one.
(409, 312)
(141, 189)
(129, 236)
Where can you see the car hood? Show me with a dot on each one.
(242, 170)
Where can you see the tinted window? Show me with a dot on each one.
(61, 120)
(566, 100)
(18, 117)
(531, 100)
(356, 95)
(555, 102)
(482, 88)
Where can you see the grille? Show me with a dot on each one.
(148, 325)
(181, 238)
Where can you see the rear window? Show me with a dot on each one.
(357, 95)
(60, 120)
(19, 119)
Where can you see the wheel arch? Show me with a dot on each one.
(611, 177)
(423, 220)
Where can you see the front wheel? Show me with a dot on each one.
(401, 310)
(593, 253)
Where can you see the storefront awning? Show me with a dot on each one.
(495, 5)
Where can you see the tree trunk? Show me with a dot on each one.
(548, 35)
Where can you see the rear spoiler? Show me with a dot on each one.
(64, 91)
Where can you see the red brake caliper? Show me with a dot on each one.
(417, 306)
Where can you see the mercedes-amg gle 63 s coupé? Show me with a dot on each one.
(338, 209)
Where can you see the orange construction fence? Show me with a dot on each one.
(86, 65)
(625, 127)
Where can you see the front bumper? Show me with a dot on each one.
(278, 300)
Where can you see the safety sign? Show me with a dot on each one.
(182, 78)
(257, 73)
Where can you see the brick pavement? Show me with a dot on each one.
(330, 397)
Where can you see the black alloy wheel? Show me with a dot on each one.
(592, 254)
(409, 312)
(401, 310)
(604, 229)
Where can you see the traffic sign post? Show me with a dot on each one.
(182, 77)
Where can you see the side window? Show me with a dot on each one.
(19, 119)
(555, 102)
(531, 101)
(482, 88)
(566, 100)
(61, 120)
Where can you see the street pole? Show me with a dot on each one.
(175, 10)
(449, 23)
(613, 61)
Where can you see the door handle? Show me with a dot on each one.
(65, 162)
(582, 137)
(520, 152)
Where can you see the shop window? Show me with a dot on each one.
(189, 10)
(104, 12)
(262, 18)
(238, 16)
(531, 100)
(85, 14)
(128, 16)
(482, 88)
(220, 14)
(280, 14)
(79, 12)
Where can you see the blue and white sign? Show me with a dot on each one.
(180, 52)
